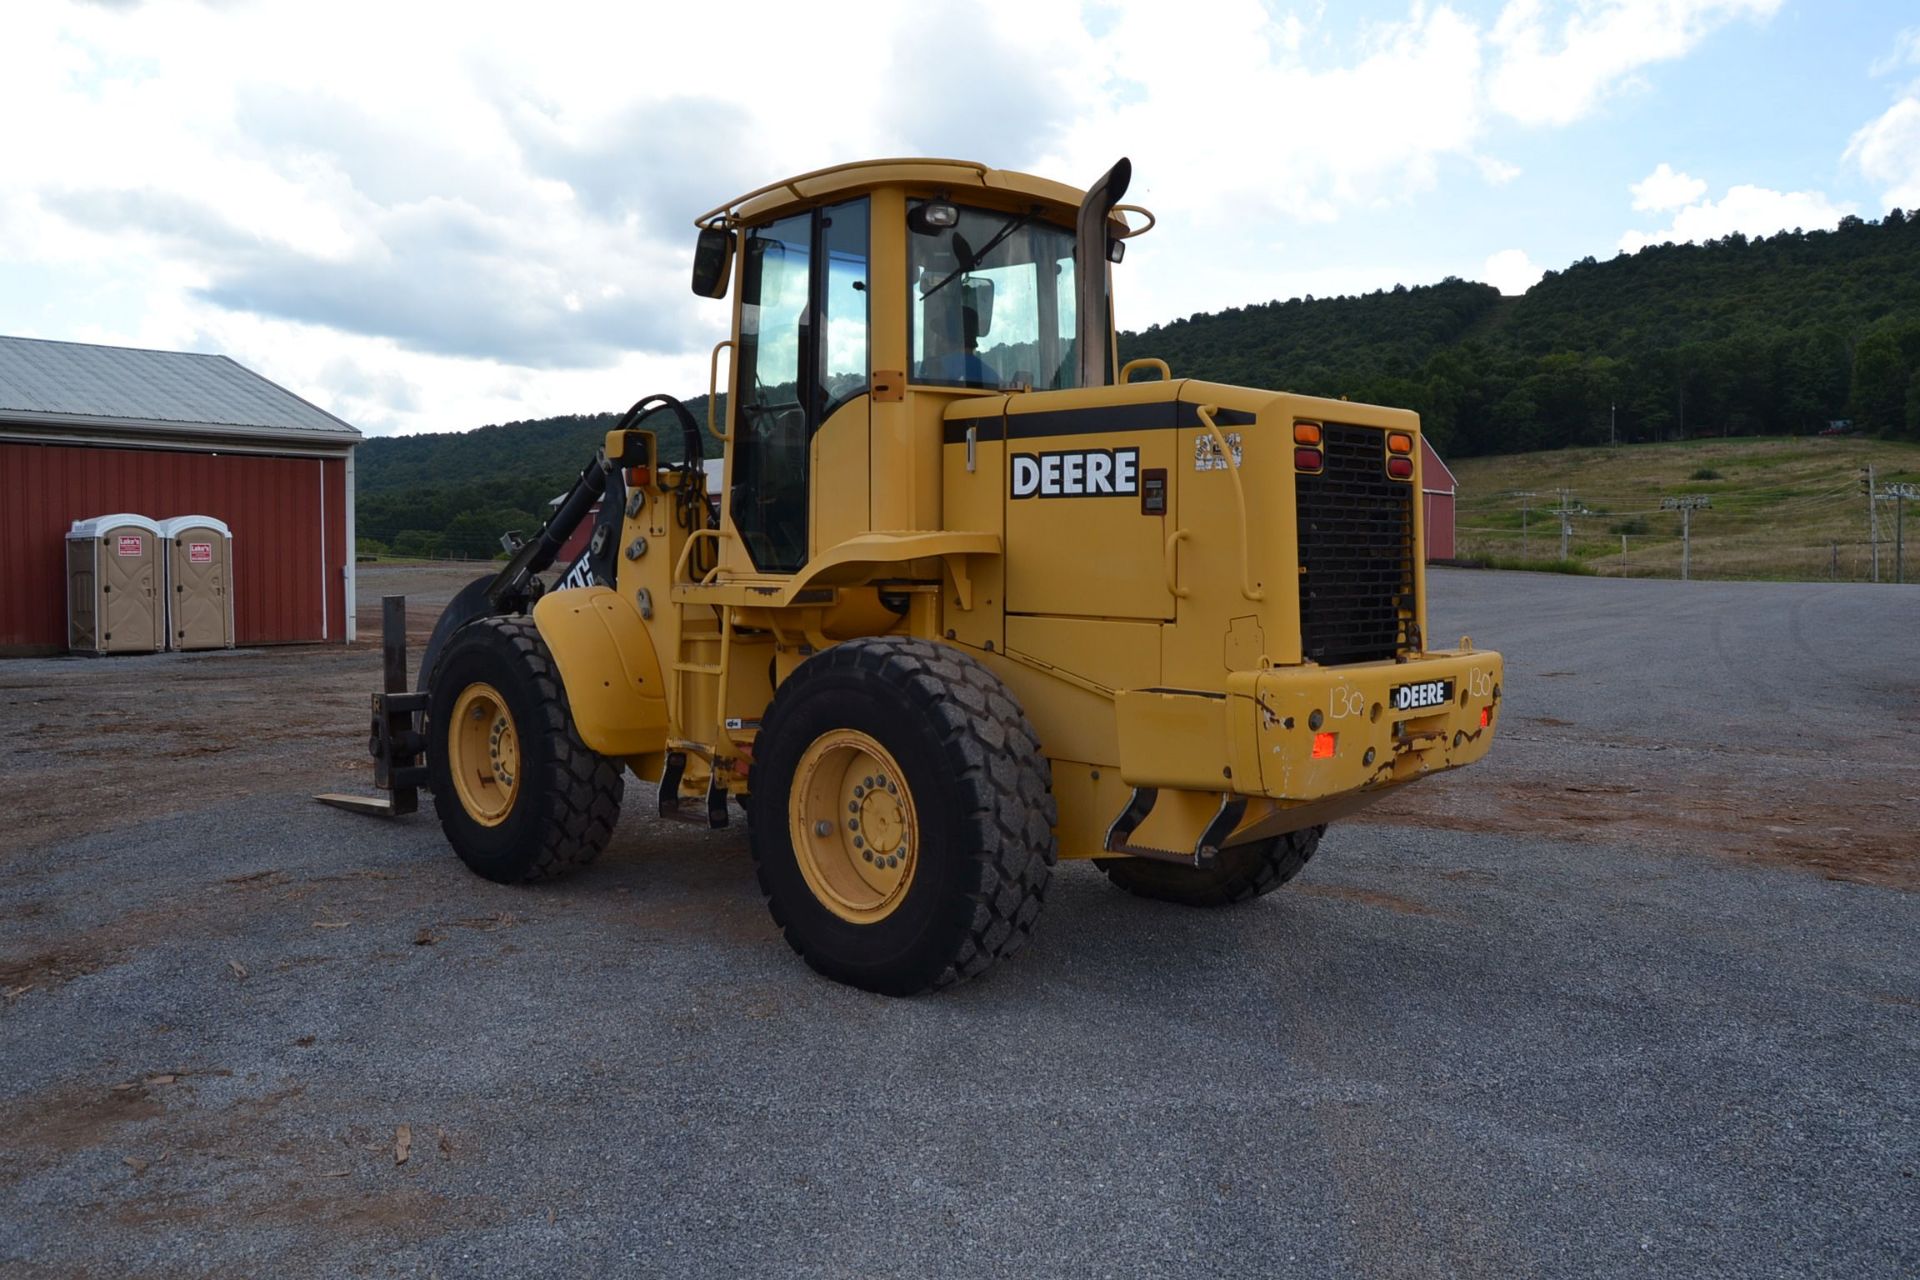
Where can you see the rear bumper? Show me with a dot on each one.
(1309, 733)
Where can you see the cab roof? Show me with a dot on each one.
(951, 176)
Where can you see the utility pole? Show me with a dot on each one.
(1566, 511)
(1899, 495)
(1686, 507)
(1525, 495)
(1613, 436)
(1873, 520)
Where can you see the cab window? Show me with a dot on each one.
(991, 303)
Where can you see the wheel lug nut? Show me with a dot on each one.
(853, 806)
(867, 854)
(858, 843)
(853, 824)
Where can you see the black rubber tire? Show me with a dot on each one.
(569, 796)
(468, 603)
(982, 791)
(1240, 873)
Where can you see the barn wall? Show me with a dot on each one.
(288, 517)
(1439, 525)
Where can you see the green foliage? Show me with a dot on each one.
(1542, 566)
(370, 547)
(1702, 473)
(1634, 525)
(1879, 393)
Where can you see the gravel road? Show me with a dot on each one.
(1579, 1011)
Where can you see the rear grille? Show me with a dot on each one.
(1356, 552)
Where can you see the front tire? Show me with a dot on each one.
(902, 816)
(518, 794)
(1239, 873)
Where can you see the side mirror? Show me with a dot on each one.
(712, 262)
(976, 296)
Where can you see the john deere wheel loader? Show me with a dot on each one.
(974, 598)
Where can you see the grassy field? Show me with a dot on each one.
(1782, 508)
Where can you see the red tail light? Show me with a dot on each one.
(639, 476)
(1307, 459)
(1323, 744)
(1486, 716)
(1400, 468)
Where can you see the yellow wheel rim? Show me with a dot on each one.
(483, 754)
(853, 826)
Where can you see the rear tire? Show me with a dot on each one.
(902, 816)
(518, 794)
(1239, 872)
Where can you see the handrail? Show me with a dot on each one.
(1174, 540)
(713, 392)
(686, 553)
(1247, 589)
(1166, 374)
(1133, 231)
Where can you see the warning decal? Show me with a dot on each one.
(199, 553)
(131, 544)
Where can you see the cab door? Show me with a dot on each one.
(802, 372)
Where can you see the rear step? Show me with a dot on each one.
(673, 804)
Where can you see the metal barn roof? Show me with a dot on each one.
(77, 389)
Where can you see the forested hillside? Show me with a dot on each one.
(1733, 337)
(1776, 336)
(455, 492)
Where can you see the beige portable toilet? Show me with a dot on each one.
(115, 577)
(199, 556)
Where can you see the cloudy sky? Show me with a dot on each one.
(427, 217)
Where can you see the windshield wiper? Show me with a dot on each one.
(970, 259)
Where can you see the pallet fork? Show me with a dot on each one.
(397, 741)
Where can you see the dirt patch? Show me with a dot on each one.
(78, 1118)
(1844, 830)
(143, 736)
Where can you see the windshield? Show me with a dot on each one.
(991, 303)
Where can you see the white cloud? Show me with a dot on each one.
(1752, 211)
(1512, 272)
(1553, 73)
(1888, 153)
(1904, 52)
(1663, 189)
(1497, 173)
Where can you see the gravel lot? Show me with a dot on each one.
(1637, 996)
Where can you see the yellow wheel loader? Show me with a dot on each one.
(973, 597)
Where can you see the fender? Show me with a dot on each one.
(609, 669)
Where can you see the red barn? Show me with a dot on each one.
(1437, 491)
(86, 430)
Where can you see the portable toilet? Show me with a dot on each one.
(199, 558)
(115, 576)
